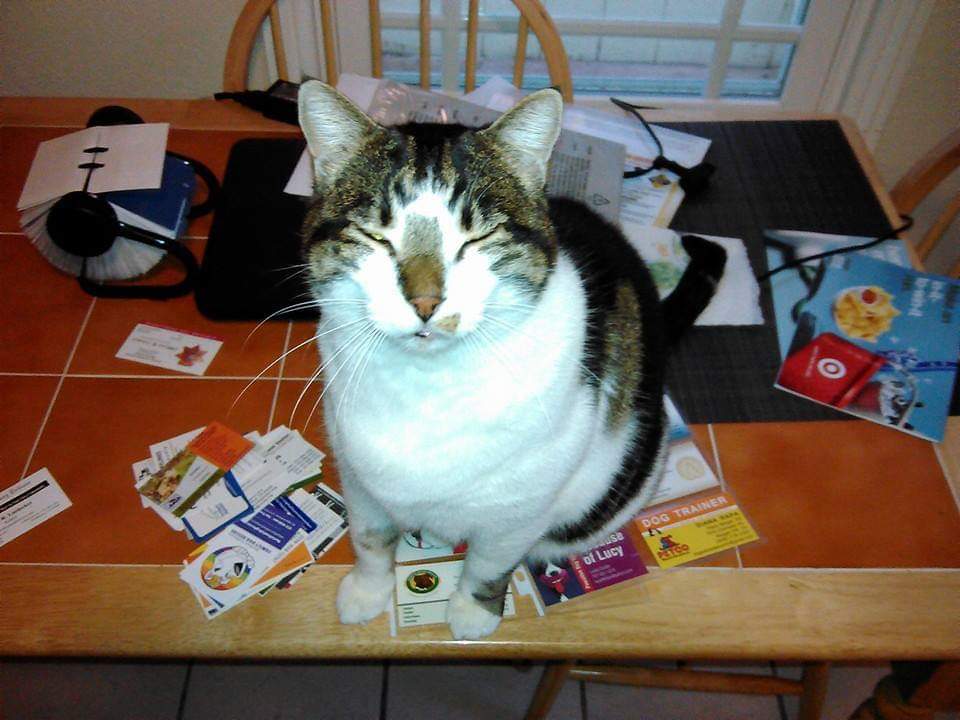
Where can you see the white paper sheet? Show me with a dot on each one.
(133, 161)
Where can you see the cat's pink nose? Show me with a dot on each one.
(425, 306)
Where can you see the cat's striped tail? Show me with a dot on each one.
(696, 287)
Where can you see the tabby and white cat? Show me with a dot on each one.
(493, 360)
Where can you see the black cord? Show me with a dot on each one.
(908, 223)
(691, 179)
(634, 110)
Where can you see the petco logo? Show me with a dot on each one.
(669, 548)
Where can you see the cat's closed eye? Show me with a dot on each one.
(472, 242)
(376, 237)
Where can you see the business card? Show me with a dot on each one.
(26, 504)
(170, 348)
(695, 529)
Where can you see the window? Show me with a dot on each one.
(845, 56)
(692, 48)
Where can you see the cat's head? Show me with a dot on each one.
(429, 231)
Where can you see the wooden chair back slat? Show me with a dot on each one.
(279, 54)
(329, 44)
(520, 56)
(376, 40)
(425, 44)
(533, 15)
(473, 16)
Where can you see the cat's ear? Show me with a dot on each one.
(334, 127)
(527, 133)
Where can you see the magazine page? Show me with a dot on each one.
(878, 341)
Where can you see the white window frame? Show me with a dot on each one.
(850, 55)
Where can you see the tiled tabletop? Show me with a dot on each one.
(839, 495)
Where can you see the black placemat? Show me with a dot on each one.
(799, 175)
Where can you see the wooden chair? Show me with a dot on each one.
(920, 180)
(811, 688)
(533, 17)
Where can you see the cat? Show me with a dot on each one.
(493, 361)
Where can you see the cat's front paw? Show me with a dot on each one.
(361, 598)
(468, 619)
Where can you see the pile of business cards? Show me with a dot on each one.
(244, 498)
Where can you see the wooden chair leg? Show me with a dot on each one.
(554, 676)
(814, 693)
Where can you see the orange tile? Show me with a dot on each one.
(305, 360)
(834, 494)
(25, 402)
(113, 320)
(18, 146)
(97, 428)
(43, 310)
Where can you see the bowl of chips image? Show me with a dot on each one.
(864, 312)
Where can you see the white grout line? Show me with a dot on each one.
(723, 482)
(276, 390)
(56, 392)
(938, 451)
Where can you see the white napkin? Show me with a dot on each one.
(737, 300)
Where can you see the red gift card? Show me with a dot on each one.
(829, 369)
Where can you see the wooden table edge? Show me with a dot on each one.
(789, 614)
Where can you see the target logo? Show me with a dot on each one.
(831, 368)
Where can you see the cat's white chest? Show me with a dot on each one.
(414, 434)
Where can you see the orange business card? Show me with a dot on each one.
(220, 445)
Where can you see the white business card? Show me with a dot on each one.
(170, 348)
(28, 503)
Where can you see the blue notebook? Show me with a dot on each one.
(164, 210)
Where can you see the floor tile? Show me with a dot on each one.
(847, 505)
(849, 686)
(303, 362)
(90, 690)
(97, 428)
(284, 691)
(616, 701)
(460, 691)
(49, 308)
(25, 402)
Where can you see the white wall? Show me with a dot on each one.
(118, 48)
(926, 110)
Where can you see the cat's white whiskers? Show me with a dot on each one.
(381, 336)
(357, 358)
(352, 342)
(282, 356)
(289, 308)
(347, 343)
(300, 271)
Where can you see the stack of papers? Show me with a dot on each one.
(243, 498)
